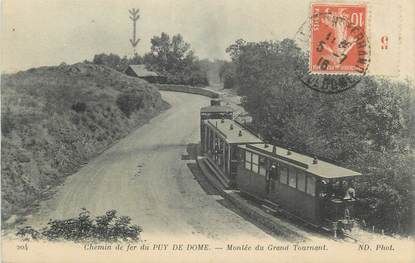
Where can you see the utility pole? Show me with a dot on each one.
(134, 16)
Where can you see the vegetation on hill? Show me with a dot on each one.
(55, 118)
(170, 57)
(369, 128)
(116, 62)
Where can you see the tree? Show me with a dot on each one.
(173, 58)
(110, 60)
(115, 62)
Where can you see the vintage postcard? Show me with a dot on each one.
(207, 131)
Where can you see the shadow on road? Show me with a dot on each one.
(203, 182)
(193, 150)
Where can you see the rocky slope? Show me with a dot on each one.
(56, 118)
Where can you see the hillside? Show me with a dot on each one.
(56, 118)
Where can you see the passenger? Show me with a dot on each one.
(347, 213)
(273, 172)
(350, 193)
(324, 192)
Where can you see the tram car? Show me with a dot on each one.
(315, 191)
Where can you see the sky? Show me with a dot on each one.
(47, 32)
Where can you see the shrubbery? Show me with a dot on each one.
(108, 227)
(79, 107)
(7, 124)
(116, 62)
(129, 102)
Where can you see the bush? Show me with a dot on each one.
(79, 107)
(129, 102)
(28, 233)
(106, 228)
(198, 79)
(22, 158)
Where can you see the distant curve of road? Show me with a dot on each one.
(143, 176)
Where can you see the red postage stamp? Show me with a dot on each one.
(338, 39)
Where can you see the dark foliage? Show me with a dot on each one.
(79, 107)
(108, 227)
(116, 62)
(7, 124)
(129, 102)
(173, 58)
(227, 74)
(368, 128)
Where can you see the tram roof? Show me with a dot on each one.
(216, 109)
(223, 126)
(321, 168)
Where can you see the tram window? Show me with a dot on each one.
(311, 185)
(301, 181)
(255, 158)
(248, 156)
(283, 174)
(262, 165)
(292, 178)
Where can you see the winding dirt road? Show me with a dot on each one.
(143, 176)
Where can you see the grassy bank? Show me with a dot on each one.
(54, 119)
